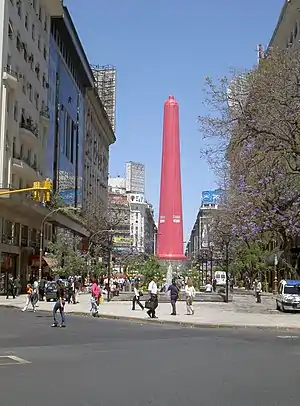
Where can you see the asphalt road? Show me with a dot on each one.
(95, 362)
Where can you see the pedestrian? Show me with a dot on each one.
(36, 292)
(136, 297)
(10, 291)
(208, 287)
(190, 296)
(59, 305)
(29, 298)
(258, 290)
(96, 291)
(174, 292)
(42, 287)
(153, 301)
(214, 284)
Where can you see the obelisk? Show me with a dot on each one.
(170, 227)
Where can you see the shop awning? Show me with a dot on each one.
(51, 262)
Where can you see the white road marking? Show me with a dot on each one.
(288, 337)
(13, 360)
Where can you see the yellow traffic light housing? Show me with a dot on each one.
(47, 190)
(37, 193)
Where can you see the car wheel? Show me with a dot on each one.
(48, 300)
(282, 308)
(277, 306)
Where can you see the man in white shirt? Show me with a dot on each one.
(152, 288)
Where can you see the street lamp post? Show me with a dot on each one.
(59, 209)
(110, 245)
(227, 270)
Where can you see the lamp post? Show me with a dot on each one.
(211, 247)
(59, 209)
(227, 269)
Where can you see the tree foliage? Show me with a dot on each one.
(254, 129)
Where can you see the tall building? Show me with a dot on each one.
(135, 177)
(170, 227)
(24, 125)
(287, 30)
(141, 226)
(105, 83)
(200, 239)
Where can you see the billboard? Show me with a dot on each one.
(211, 196)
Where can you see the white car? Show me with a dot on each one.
(288, 297)
(220, 277)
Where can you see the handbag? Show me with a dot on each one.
(149, 304)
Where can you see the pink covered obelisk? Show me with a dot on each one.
(170, 227)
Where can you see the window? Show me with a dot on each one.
(33, 32)
(25, 52)
(36, 99)
(26, 21)
(19, 8)
(45, 53)
(31, 61)
(34, 4)
(40, 13)
(10, 30)
(24, 85)
(37, 70)
(296, 30)
(46, 24)
(16, 109)
(19, 44)
(21, 151)
(30, 91)
(39, 42)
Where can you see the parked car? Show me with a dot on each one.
(220, 278)
(288, 297)
(51, 290)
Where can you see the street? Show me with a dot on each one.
(95, 362)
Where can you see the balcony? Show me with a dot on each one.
(25, 169)
(10, 77)
(29, 131)
(45, 115)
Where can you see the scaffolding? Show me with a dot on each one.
(105, 83)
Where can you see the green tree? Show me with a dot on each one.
(63, 250)
(152, 268)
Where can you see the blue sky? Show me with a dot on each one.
(163, 47)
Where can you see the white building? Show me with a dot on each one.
(135, 177)
(142, 225)
(24, 123)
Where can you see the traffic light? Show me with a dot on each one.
(36, 193)
(47, 192)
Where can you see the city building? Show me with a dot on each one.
(135, 177)
(287, 30)
(141, 226)
(199, 240)
(24, 60)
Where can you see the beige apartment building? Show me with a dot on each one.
(287, 31)
(24, 122)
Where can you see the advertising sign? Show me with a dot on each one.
(211, 196)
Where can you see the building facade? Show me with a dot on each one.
(24, 124)
(70, 76)
(141, 227)
(135, 177)
(287, 30)
(200, 240)
(99, 136)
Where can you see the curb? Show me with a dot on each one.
(175, 323)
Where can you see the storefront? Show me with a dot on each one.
(9, 263)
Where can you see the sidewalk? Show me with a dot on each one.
(242, 312)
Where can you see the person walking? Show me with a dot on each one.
(174, 292)
(59, 305)
(29, 298)
(10, 291)
(190, 296)
(136, 297)
(152, 288)
(258, 290)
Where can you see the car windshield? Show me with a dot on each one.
(292, 290)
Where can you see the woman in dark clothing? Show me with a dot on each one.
(174, 292)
